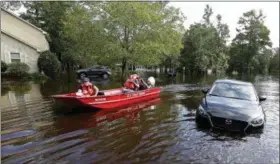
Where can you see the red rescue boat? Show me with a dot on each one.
(109, 99)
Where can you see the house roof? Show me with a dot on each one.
(28, 34)
(20, 41)
(14, 15)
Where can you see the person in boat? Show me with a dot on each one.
(142, 84)
(132, 83)
(135, 83)
(87, 88)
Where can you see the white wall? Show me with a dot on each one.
(23, 31)
(28, 55)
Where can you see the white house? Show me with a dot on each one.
(21, 41)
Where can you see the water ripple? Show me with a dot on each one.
(157, 133)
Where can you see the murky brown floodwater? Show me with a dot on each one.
(159, 131)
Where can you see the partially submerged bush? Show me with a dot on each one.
(4, 66)
(38, 77)
(18, 69)
(49, 64)
(17, 87)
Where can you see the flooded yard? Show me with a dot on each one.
(158, 131)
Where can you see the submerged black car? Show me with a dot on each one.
(96, 70)
(232, 105)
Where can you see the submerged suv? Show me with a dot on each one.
(96, 70)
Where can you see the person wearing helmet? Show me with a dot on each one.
(135, 82)
(87, 88)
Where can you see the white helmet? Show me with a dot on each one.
(151, 80)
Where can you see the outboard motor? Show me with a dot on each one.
(151, 81)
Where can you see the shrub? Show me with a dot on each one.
(49, 64)
(20, 87)
(4, 66)
(274, 64)
(38, 77)
(18, 69)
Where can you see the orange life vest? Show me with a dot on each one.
(129, 84)
(88, 89)
(132, 82)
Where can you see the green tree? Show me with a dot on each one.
(12, 5)
(49, 16)
(205, 45)
(85, 35)
(208, 12)
(108, 33)
(124, 32)
(144, 32)
(49, 64)
(274, 62)
(251, 44)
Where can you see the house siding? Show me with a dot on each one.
(22, 31)
(28, 54)
(19, 36)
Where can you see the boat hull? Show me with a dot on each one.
(111, 99)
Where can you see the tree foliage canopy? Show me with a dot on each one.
(205, 45)
(150, 33)
(250, 47)
(132, 32)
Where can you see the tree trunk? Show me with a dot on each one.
(123, 66)
(170, 63)
(68, 71)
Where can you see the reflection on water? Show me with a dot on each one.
(160, 130)
(19, 93)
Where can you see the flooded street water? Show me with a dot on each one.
(157, 131)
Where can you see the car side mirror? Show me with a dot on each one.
(205, 90)
(262, 98)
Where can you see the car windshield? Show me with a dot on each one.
(237, 91)
(98, 67)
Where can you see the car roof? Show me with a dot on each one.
(94, 66)
(232, 81)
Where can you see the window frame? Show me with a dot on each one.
(13, 59)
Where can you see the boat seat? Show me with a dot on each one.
(100, 94)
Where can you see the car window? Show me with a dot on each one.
(93, 67)
(245, 92)
(99, 67)
(96, 67)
